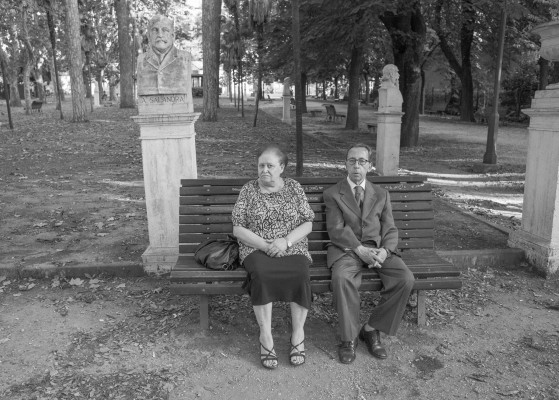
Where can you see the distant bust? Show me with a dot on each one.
(287, 86)
(390, 76)
(163, 69)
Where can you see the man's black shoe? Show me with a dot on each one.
(346, 351)
(372, 340)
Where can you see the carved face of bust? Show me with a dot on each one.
(161, 35)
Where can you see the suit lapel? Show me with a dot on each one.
(370, 199)
(348, 198)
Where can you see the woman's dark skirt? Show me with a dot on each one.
(278, 279)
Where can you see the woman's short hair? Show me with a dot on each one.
(272, 148)
(361, 145)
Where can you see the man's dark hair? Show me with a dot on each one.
(273, 148)
(364, 146)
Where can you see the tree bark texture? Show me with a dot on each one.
(126, 66)
(79, 110)
(295, 26)
(211, 14)
(259, 52)
(407, 30)
(28, 59)
(355, 66)
(463, 68)
(543, 73)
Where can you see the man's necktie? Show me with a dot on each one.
(359, 196)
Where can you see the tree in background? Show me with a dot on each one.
(125, 48)
(211, 18)
(75, 61)
(407, 30)
(259, 12)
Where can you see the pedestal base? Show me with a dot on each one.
(286, 116)
(539, 253)
(388, 142)
(159, 260)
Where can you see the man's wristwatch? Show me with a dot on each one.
(388, 252)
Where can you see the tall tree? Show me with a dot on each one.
(407, 31)
(211, 17)
(125, 47)
(296, 34)
(259, 10)
(462, 65)
(28, 56)
(75, 58)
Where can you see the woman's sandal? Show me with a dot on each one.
(270, 355)
(294, 352)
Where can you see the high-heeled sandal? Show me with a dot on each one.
(268, 356)
(296, 353)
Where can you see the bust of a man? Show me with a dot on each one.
(390, 76)
(163, 69)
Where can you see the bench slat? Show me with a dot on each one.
(413, 258)
(201, 274)
(317, 287)
(420, 243)
(311, 197)
(224, 218)
(302, 180)
(314, 235)
(410, 188)
(316, 207)
(317, 226)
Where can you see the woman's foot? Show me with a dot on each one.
(297, 353)
(268, 358)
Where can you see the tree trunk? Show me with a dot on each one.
(335, 88)
(422, 95)
(259, 52)
(230, 85)
(463, 68)
(112, 91)
(543, 73)
(15, 99)
(354, 73)
(54, 65)
(408, 31)
(125, 55)
(75, 60)
(367, 88)
(324, 90)
(296, 36)
(303, 92)
(211, 14)
(26, 86)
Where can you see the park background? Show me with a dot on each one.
(73, 199)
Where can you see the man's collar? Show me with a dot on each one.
(352, 184)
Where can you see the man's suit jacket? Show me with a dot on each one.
(348, 226)
(172, 75)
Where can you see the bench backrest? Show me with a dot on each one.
(206, 206)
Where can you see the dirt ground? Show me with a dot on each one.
(72, 194)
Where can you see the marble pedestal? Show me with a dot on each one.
(169, 155)
(388, 142)
(539, 233)
(286, 117)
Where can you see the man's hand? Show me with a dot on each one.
(366, 255)
(379, 255)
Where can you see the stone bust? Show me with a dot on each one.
(287, 87)
(163, 69)
(390, 76)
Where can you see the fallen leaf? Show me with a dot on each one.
(122, 285)
(76, 282)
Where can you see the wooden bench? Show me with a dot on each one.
(315, 113)
(205, 212)
(36, 105)
(331, 114)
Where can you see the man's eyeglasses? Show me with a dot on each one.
(361, 161)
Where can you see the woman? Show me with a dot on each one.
(271, 220)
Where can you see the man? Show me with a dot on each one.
(362, 234)
(163, 69)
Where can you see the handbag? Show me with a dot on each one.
(218, 254)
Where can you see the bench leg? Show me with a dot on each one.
(421, 314)
(204, 311)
